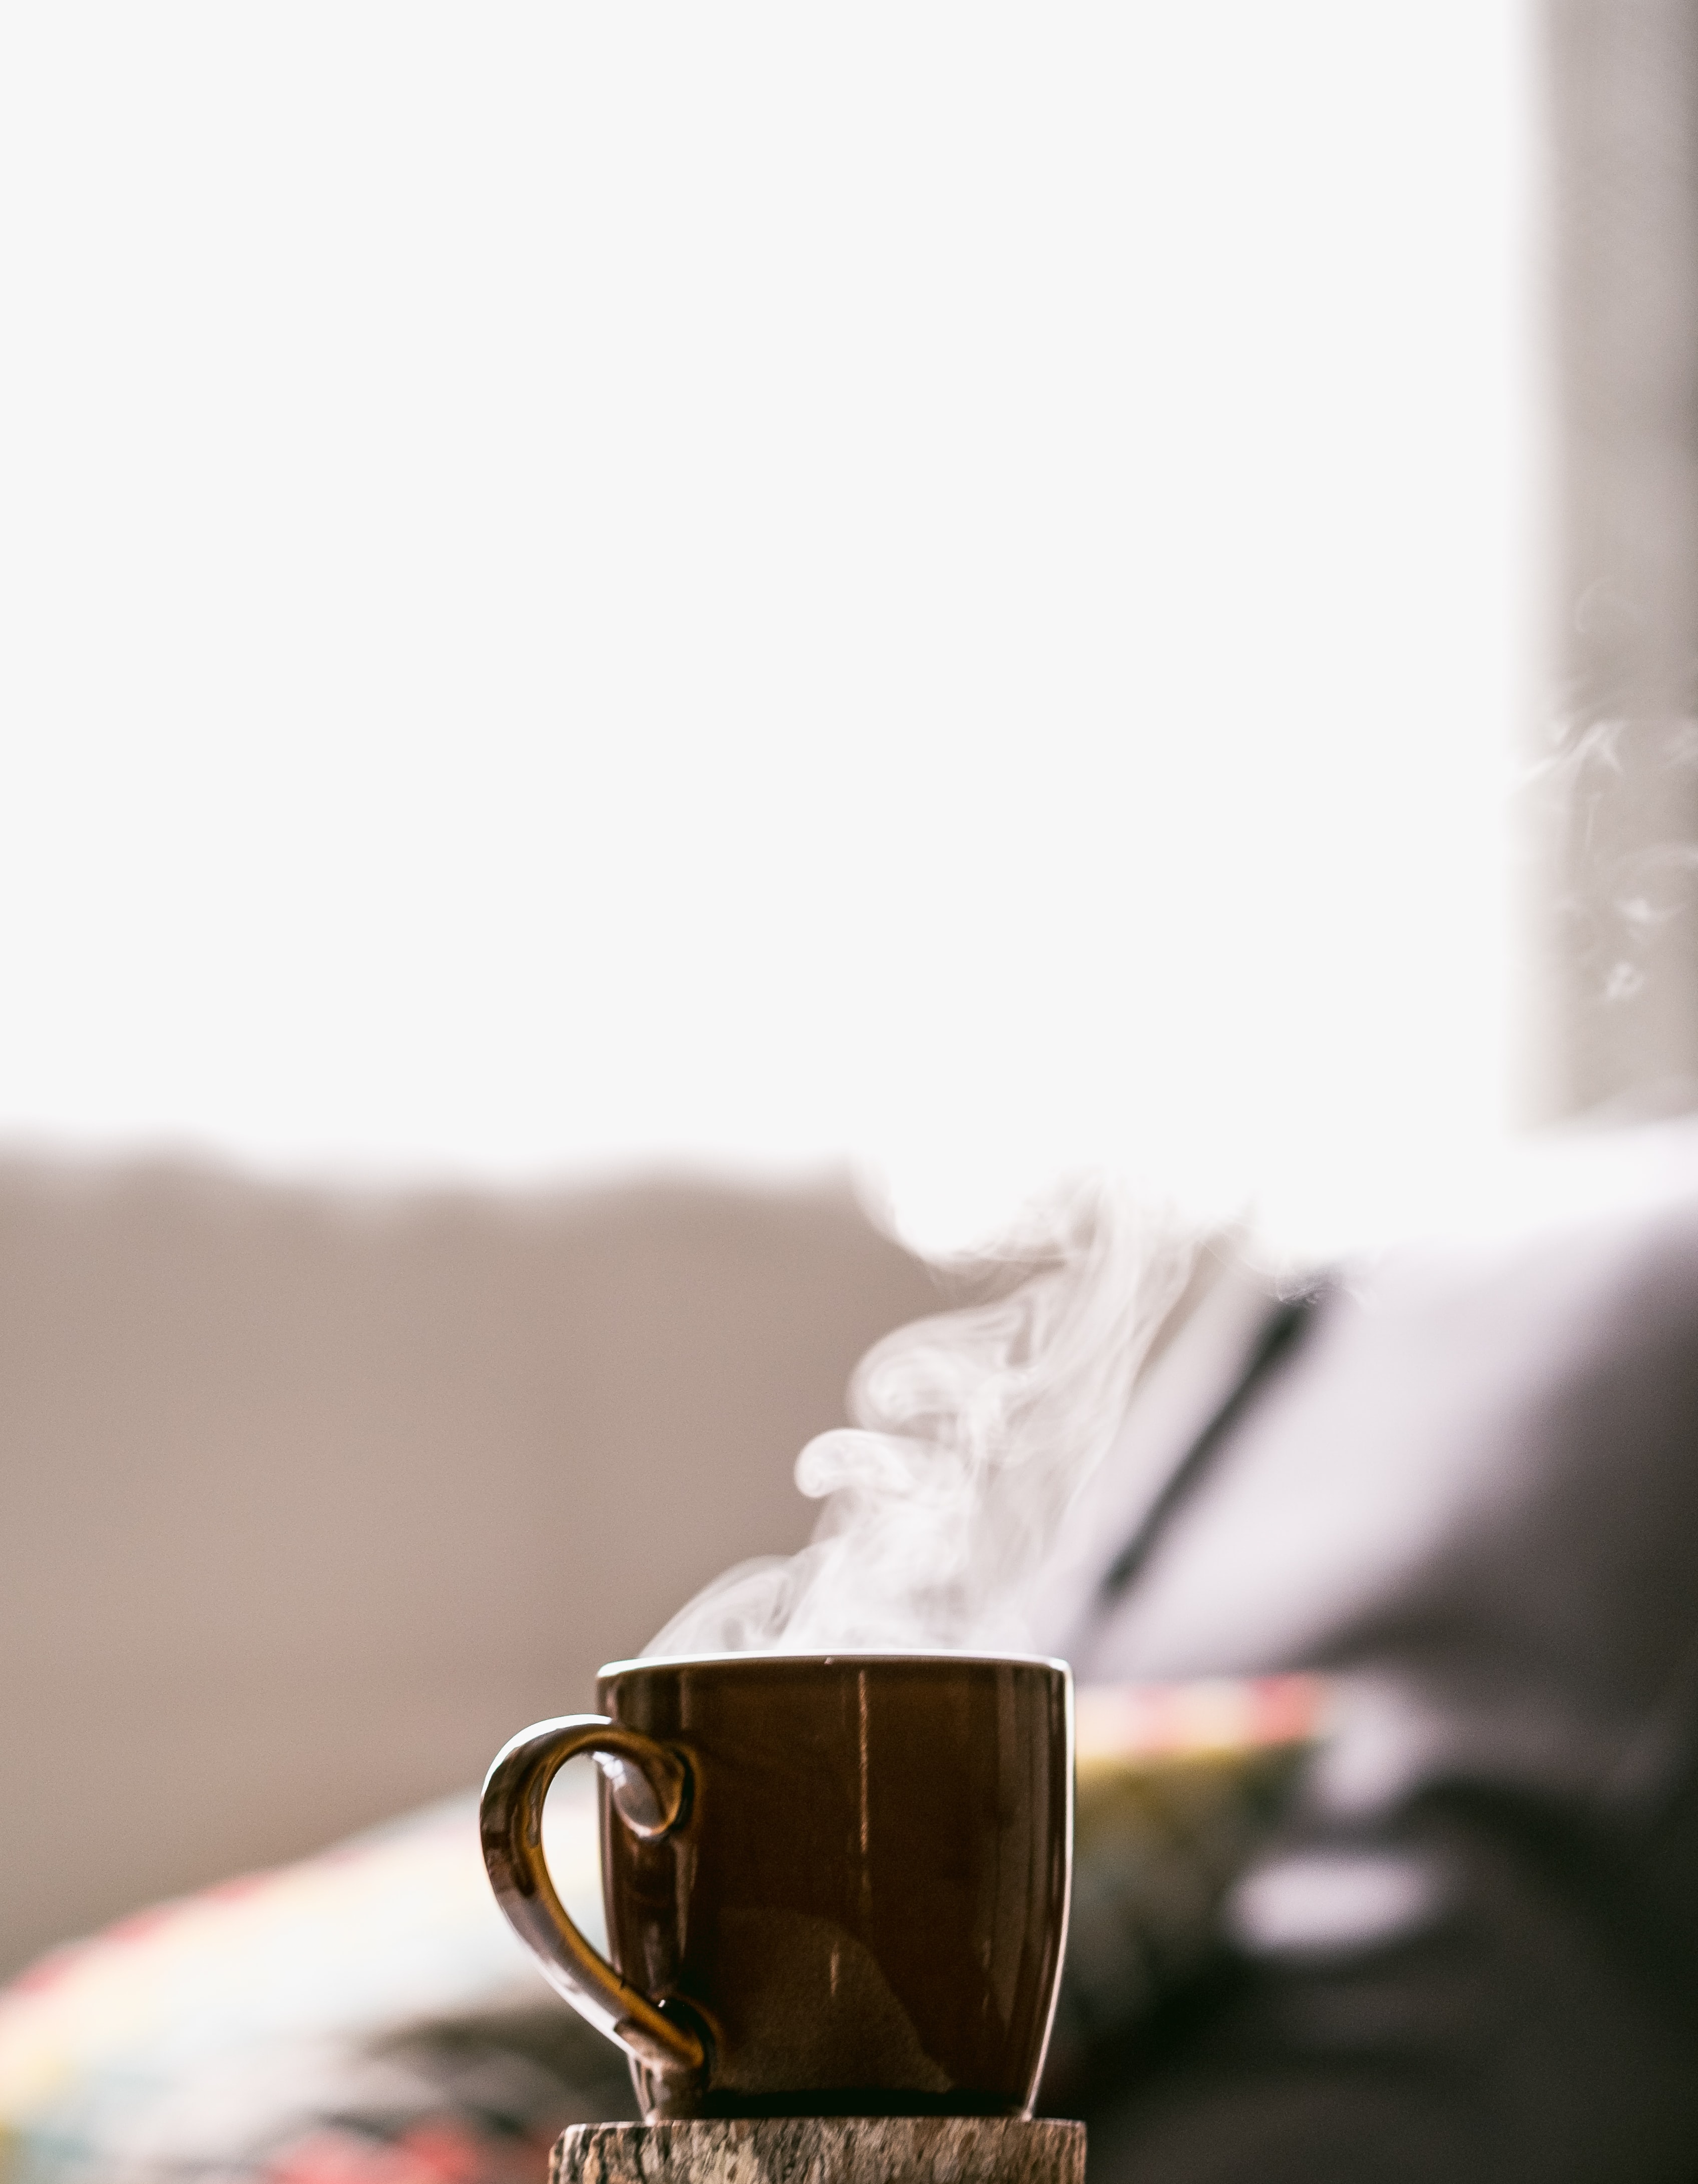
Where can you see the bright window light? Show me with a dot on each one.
(751, 583)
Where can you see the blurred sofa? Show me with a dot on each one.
(1453, 1485)
(1458, 1479)
(309, 1497)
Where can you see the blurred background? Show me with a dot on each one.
(939, 587)
(652, 659)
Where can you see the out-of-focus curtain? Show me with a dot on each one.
(1621, 886)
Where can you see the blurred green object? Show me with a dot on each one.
(1178, 1787)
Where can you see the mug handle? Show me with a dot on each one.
(650, 1787)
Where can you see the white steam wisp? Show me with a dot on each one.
(974, 1431)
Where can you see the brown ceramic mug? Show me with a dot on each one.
(835, 1884)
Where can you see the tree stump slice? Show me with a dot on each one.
(824, 2150)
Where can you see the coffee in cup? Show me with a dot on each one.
(835, 1884)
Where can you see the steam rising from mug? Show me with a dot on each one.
(973, 1432)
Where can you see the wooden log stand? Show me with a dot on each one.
(824, 2150)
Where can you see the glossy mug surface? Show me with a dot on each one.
(835, 1884)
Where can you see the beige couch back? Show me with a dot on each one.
(307, 1501)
